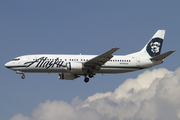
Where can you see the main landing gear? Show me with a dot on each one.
(91, 75)
(86, 79)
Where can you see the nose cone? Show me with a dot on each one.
(7, 65)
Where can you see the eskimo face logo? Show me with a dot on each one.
(155, 47)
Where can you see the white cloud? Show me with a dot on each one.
(20, 117)
(53, 110)
(153, 95)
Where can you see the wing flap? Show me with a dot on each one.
(101, 59)
(162, 56)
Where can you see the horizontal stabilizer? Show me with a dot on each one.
(162, 56)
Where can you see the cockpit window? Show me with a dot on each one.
(16, 59)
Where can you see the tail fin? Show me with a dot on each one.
(153, 47)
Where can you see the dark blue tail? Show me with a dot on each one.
(153, 47)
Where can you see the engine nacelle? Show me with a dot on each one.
(73, 67)
(67, 76)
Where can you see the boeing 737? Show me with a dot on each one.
(70, 67)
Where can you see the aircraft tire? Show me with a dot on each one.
(86, 79)
(22, 76)
(91, 75)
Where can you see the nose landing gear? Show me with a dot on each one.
(23, 76)
(20, 72)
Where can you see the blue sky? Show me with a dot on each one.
(74, 27)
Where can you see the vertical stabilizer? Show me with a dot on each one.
(153, 47)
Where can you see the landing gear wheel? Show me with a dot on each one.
(91, 75)
(22, 76)
(86, 79)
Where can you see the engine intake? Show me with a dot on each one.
(67, 76)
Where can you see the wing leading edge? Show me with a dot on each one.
(100, 59)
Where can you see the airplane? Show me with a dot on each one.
(70, 67)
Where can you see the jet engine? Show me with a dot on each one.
(67, 76)
(73, 67)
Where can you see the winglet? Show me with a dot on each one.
(162, 56)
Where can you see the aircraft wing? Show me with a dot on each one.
(100, 59)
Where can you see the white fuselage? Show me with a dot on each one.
(47, 63)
